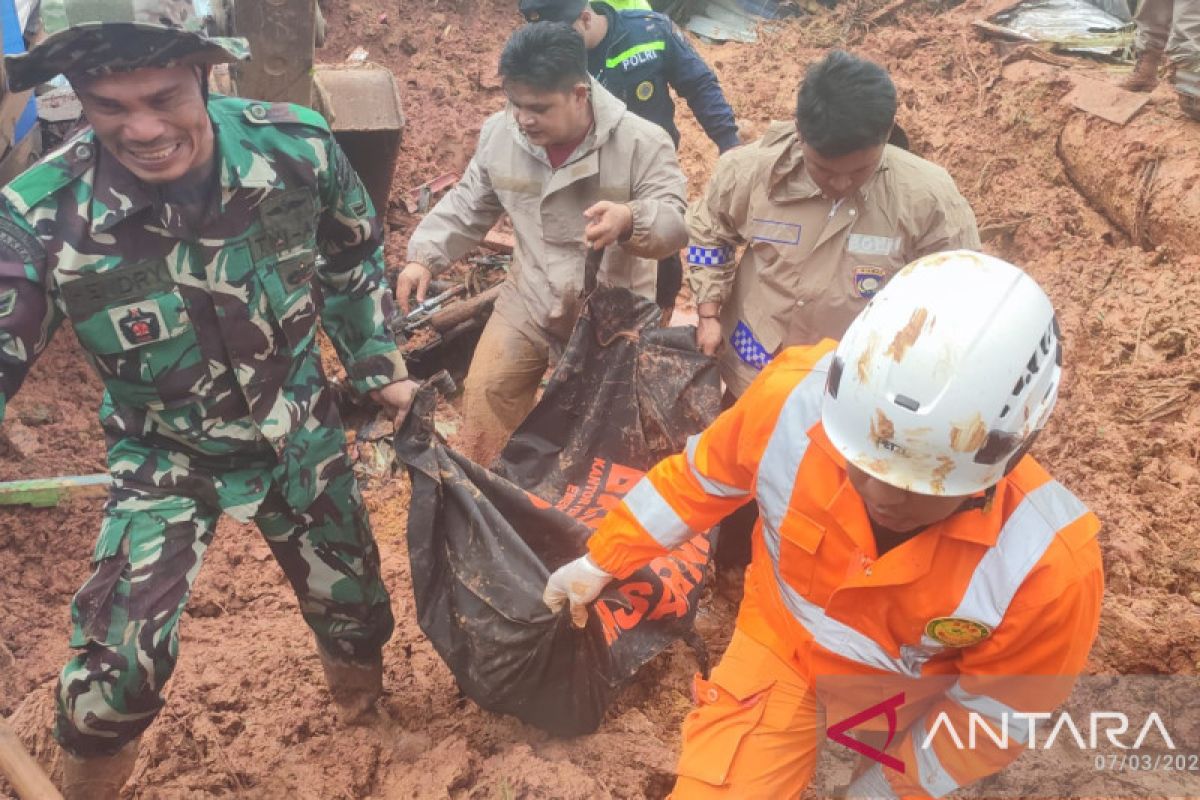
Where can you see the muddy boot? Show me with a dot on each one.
(354, 686)
(98, 777)
(1189, 104)
(1145, 72)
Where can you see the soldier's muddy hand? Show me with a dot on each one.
(414, 277)
(396, 397)
(608, 223)
(579, 583)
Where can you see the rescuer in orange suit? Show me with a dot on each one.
(904, 533)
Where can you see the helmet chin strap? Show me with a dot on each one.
(202, 71)
(982, 502)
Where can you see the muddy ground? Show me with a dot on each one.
(247, 714)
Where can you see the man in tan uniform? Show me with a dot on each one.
(574, 169)
(826, 212)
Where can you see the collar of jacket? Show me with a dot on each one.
(607, 111)
(973, 525)
(114, 180)
(620, 30)
(784, 148)
(615, 35)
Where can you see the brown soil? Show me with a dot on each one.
(247, 714)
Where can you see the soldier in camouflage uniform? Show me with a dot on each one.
(194, 243)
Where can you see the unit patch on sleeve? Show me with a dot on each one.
(957, 631)
(644, 91)
(709, 256)
(20, 242)
(748, 347)
(868, 281)
(8, 301)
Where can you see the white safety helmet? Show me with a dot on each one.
(941, 382)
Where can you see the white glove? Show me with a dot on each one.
(579, 582)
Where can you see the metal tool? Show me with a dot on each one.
(422, 311)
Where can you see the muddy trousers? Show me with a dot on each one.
(126, 616)
(501, 386)
(1171, 25)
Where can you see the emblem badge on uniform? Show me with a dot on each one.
(957, 631)
(868, 281)
(140, 324)
(644, 91)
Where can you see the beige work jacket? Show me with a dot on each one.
(624, 159)
(809, 265)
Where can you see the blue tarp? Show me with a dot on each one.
(14, 44)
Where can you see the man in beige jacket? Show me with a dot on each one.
(574, 169)
(825, 211)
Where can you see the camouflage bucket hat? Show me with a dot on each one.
(102, 36)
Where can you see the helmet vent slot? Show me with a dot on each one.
(997, 447)
(904, 401)
(835, 377)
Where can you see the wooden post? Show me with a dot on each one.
(282, 36)
(25, 775)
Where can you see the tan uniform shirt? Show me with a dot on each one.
(809, 265)
(625, 159)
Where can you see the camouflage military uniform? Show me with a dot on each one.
(214, 395)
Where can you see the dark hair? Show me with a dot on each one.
(547, 56)
(846, 104)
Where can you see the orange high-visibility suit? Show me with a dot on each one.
(1011, 587)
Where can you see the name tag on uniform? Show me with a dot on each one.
(774, 231)
(861, 244)
(96, 291)
(288, 220)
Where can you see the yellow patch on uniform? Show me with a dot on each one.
(644, 91)
(957, 631)
(868, 281)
